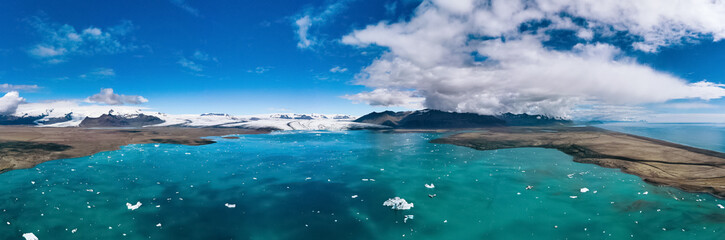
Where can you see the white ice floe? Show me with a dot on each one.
(398, 204)
(407, 217)
(354, 196)
(583, 190)
(529, 187)
(158, 225)
(573, 197)
(430, 186)
(30, 236)
(230, 205)
(133, 206)
(721, 206)
(74, 230)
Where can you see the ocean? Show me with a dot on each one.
(332, 185)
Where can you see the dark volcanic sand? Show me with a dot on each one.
(659, 162)
(25, 147)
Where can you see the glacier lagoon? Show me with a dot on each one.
(332, 185)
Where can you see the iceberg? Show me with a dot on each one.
(230, 205)
(30, 236)
(398, 204)
(430, 186)
(583, 190)
(134, 206)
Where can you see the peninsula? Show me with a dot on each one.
(655, 161)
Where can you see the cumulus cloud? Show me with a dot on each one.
(59, 41)
(304, 23)
(5, 87)
(107, 96)
(9, 103)
(388, 97)
(472, 56)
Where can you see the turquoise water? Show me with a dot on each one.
(301, 186)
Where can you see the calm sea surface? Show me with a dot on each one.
(331, 185)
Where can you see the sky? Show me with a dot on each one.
(607, 59)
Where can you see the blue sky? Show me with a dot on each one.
(247, 57)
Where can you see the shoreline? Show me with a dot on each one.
(23, 147)
(655, 161)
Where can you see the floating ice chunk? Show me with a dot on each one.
(430, 186)
(134, 206)
(405, 220)
(398, 204)
(354, 196)
(432, 195)
(158, 225)
(573, 197)
(529, 187)
(583, 190)
(74, 230)
(307, 178)
(365, 179)
(230, 205)
(32, 182)
(721, 206)
(30, 236)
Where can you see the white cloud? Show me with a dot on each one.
(191, 65)
(388, 97)
(62, 41)
(260, 70)
(432, 55)
(9, 103)
(304, 23)
(186, 7)
(107, 96)
(99, 73)
(202, 56)
(5, 87)
(338, 69)
(303, 26)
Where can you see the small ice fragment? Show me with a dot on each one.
(30, 236)
(529, 187)
(365, 179)
(134, 206)
(187, 153)
(445, 221)
(32, 182)
(583, 190)
(573, 196)
(432, 195)
(430, 186)
(74, 230)
(405, 220)
(398, 204)
(230, 205)
(721, 206)
(354, 196)
(158, 225)
(383, 169)
(372, 180)
(645, 193)
(307, 178)
(570, 175)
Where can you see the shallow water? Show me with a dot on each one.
(301, 186)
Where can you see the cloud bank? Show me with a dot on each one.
(107, 96)
(305, 22)
(492, 57)
(9, 103)
(5, 87)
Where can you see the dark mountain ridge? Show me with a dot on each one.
(436, 119)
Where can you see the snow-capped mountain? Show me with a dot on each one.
(70, 114)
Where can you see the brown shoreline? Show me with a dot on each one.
(25, 147)
(655, 161)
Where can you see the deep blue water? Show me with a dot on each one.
(300, 185)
